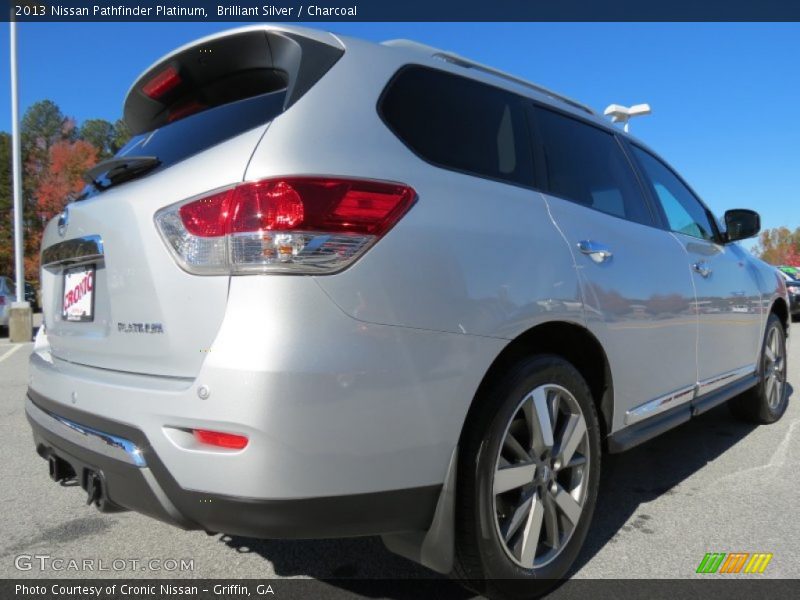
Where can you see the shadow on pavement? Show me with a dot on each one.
(655, 469)
(362, 566)
(629, 479)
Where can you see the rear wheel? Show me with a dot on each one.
(767, 401)
(528, 475)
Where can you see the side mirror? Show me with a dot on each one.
(741, 223)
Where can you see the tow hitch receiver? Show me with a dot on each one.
(60, 470)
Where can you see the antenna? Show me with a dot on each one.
(623, 114)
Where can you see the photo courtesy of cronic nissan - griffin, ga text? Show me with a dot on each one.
(335, 288)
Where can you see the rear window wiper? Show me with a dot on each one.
(116, 170)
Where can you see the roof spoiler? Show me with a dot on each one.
(217, 68)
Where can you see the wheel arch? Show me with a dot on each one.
(570, 341)
(781, 310)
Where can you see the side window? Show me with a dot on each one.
(586, 165)
(684, 212)
(459, 124)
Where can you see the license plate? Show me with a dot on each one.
(78, 300)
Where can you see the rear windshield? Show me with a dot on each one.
(190, 135)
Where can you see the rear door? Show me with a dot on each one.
(728, 299)
(637, 289)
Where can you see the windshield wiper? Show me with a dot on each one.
(116, 170)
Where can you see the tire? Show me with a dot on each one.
(507, 564)
(764, 403)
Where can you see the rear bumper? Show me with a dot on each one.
(133, 477)
(350, 425)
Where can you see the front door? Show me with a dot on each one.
(728, 303)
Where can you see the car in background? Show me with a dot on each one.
(794, 298)
(792, 272)
(7, 296)
(32, 295)
(793, 287)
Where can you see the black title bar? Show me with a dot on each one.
(400, 10)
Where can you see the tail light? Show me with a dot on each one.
(287, 225)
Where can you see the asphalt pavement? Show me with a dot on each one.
(711, 485)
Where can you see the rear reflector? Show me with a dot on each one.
(296, 225)
(220, 439)
(162, 82)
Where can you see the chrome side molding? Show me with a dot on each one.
(74, 251)
(686, 394)
(714, 383)
(653, 407)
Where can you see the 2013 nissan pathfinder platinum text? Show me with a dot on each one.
(332, 288)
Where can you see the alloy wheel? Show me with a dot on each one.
(774, 368)
(541, 476)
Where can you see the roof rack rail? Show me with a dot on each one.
(470, 64)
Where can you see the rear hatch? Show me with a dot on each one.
(113, 295)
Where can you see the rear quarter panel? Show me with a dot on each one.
(472, 256)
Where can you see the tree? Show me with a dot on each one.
(779, 246)
(55, 154)
(100, 134)
(6, 207)
(121, 134)
(106, 137)
(63, 179)
(42, 126)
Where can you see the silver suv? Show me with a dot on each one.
(333, 288)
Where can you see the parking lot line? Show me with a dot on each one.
(10, 352)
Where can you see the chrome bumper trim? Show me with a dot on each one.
(86, 437)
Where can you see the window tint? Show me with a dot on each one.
(176, 141)
(459, 123)
(586, 165)
(684, 212)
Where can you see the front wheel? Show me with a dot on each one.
(529, 469)
(767, 401)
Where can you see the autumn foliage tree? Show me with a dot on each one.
(55, 154)
(63, 178)
(6, 243)
(779, 246)
(60, 183)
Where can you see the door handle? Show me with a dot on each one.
(702, 268)
(595, 250)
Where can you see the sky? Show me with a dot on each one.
(724, 96)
